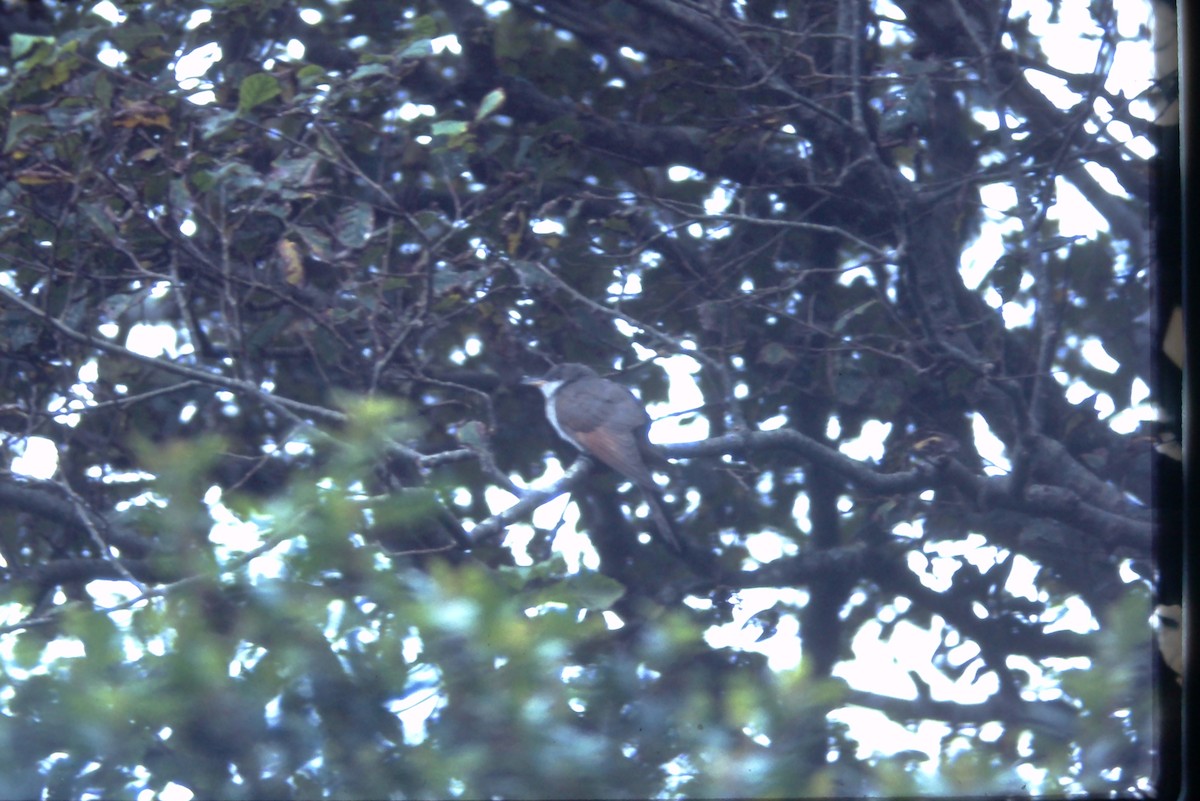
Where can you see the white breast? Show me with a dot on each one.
(548, 389)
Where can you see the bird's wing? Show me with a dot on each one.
(583, 405)
(618, 451)
(607, 421)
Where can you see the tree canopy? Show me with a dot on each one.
(271, 274)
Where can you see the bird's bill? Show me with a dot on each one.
(532, 381)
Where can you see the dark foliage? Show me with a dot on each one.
(273, 318)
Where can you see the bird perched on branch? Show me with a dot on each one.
(605, 420)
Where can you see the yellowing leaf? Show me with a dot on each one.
(43, 174)
(291, 263)
(60, 73)
(491, 101)
(141, 114)
(146, 154)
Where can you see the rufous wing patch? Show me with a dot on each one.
(619, 452)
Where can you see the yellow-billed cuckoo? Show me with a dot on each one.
(605, 420)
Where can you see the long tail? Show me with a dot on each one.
(666, 529)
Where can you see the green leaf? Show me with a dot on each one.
(417, 49)
(22, 43)
(266, 333)
(311, 75)
(424, 27)
(449, 128)
(99, 635)
(319, 243)
(96, 215)
(430, 223)
(217, 122)
(203, 180)
(27, 651)
(531, 275)
(589, 591)
(354, 225)
(19, 124)
(257, 89)
(775, 354)
(236, 176)
(491, 101)
(369, 71)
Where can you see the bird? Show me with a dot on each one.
(605, 420)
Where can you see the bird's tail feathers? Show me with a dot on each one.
(662, 522)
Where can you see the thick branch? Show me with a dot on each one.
(50, 505)
(1057, 717)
